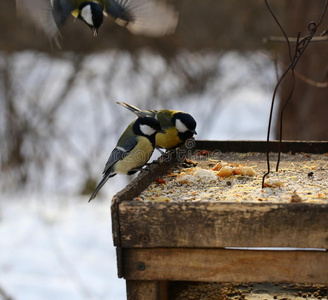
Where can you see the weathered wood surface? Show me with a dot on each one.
(146, 290)
(219, 225)
(223, 265)
(145, 178)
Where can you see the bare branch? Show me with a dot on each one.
(4, 294)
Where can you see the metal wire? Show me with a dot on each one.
(301, 45)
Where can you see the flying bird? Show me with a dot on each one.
(146, 17)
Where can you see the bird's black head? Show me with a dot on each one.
(147, 127)
(185, 124)
(91, 13)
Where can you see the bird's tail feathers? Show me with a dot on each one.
(132, 108)
(100, 185)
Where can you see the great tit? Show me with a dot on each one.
(133, 150)
(179, 126)
(146, 17)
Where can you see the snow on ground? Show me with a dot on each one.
(55, 245)
(56, 248)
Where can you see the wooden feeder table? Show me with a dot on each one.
(161, 242)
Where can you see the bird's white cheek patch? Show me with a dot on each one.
(147, 130)
(180, 126)
(87, 15)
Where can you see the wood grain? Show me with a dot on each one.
(145, 178)
(219, 225)
(223, 265)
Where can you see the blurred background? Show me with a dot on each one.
(59, 122)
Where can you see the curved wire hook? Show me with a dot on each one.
(301, 46)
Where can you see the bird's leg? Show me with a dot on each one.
(135, 170)
(167, 156)
(160, 150)
(155, 161)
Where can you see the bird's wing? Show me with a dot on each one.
(61, 10)
(146, 17)
(125, 144)
(47, 15)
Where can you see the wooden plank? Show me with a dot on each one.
(223, 265)
(145, 178)
(219, 225)
(146, 290)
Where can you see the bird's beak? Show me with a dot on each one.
(162, 131)
(95, 31)
(194, 132)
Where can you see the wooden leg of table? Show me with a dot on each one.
(146, 290)
(163, 287)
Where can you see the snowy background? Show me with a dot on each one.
(56, 245)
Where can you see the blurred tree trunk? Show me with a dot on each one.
(14, 129)
(306, 113)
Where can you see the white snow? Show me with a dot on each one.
(56, 248)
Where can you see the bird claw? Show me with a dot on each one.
(155, 161)
(146, 168)
(160, 150)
